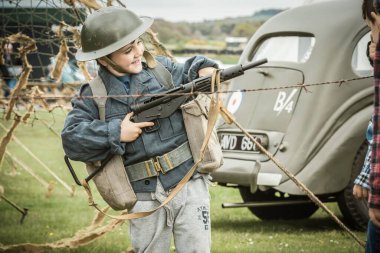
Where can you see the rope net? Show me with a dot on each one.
(40, 20)
(54, 27)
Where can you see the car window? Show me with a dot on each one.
(360, 63)
(286, 49)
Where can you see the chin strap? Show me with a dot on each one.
(113, 65)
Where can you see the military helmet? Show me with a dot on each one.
(108, 30)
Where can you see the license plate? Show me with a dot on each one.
(240, 142)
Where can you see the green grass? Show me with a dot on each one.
(61, 215)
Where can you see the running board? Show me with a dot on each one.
(272, 203)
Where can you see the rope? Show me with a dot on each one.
(82, 237)
(27, 169)
(39, 161)
(7, 137)
(194, 93)
(230, 118)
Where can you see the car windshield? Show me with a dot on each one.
(286, 49)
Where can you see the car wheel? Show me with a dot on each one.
(284, 212)
(355, 212)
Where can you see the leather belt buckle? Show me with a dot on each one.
(158, 166)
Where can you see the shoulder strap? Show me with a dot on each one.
(163, 75)
(159, 71)
(99, 92)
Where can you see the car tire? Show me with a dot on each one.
(355, 212)
(283, 212)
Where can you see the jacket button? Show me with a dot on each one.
(147, 182)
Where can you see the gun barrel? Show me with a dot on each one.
(238, 70)
(255, 64)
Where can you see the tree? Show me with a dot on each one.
(245, 29)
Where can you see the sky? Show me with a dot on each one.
(200, 10)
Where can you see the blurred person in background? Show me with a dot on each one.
(373, 232)
(10, 69)
(361, 183)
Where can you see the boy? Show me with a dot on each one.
(112, 37)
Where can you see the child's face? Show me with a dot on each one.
(129, 57)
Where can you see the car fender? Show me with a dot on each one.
(330, 169)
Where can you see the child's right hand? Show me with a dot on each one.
(130, 131)
(360, 192)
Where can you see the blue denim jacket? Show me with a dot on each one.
(86, 138)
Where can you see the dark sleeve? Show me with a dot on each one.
(188, 71)
(85, 137)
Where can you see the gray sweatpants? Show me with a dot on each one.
(186, 216)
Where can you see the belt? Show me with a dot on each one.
(159, 164)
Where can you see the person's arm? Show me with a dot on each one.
(85, 137)
(190, 69)
(361, 183)
(374, 196)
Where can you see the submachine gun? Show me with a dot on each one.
(164, 104)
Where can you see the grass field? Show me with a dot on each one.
(61, 215)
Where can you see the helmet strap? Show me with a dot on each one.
(150, 61)
(113, 65)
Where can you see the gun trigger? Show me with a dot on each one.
(153, 128)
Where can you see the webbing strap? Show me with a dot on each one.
(159, 71)
(99, 92)
(159, 164)
(163, 76)
(113, 65)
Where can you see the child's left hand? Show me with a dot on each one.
(205, 71)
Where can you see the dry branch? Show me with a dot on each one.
(62, 56)
(158, 46)
(83, 67)
(82, 237)
(91, 4)
(27, 45)
(7, 137)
